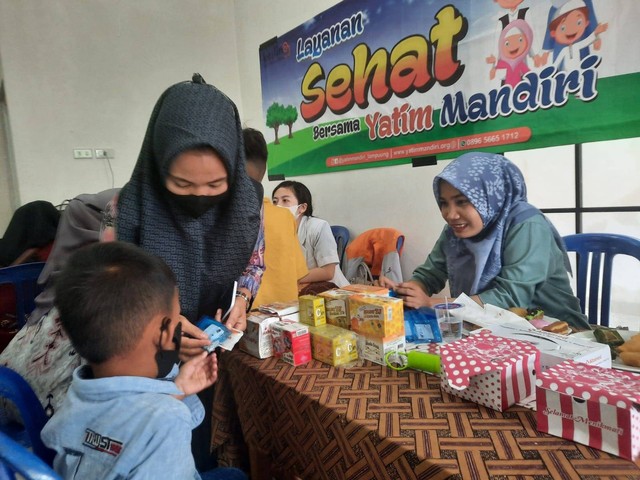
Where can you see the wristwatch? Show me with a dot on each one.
(246, 299)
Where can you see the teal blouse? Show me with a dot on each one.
(532, 275)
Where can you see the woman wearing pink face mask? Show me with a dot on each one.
(318, 243)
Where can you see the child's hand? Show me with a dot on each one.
(198, 373)
(193, 339)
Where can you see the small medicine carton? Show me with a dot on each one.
(291, 342)
(375, 349)
(375, 316)
(336, 307)
(333, 345)
(367, 289)
(596, 406)
(493, 371)
(312, 310)
(257, 339)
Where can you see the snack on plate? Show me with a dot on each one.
(535, 313)
(608, 336)
(631, 345)
(632, 359)
(559, 327)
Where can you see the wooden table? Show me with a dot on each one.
(371, 422)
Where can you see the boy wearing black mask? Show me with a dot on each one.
(130, 411)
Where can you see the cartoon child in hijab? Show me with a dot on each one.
(514, 45)
(572, 29)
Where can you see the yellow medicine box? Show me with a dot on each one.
(312, 310)
(375, 316)
(336, 307)
(333, 345)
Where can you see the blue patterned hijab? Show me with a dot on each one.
(496, 188)
(209, 252)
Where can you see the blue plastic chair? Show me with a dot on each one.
(16, 389)
(595, 252)
(24, 278)
(15, 459)
(341, 234)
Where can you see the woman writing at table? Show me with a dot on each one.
(496, 247)
(318, 243)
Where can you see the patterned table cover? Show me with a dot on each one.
(371, 422)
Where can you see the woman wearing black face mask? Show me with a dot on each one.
(190, 201)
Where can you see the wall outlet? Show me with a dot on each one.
(82, 153)
(102, 153)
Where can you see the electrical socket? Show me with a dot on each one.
(103, 153)
(82, 153)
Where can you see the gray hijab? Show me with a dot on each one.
(79, 225)
(209, 252)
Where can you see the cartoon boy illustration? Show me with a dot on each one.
(572, 29)
(514, 46)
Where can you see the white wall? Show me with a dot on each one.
(85, 74)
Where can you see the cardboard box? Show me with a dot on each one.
(493, 371)
(375, 349)
(367, 289)
(374, 316)
(595, 406)
(336, 307)
(556, 348)
(291, 342)
(312, 310)
(257, 339)
(333, 345)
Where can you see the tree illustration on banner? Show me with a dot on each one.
(278, 115)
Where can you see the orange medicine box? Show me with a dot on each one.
(375, 316)
(312, 310)
(336, 307)
(367, 289)
(333, 345)
(291, 342)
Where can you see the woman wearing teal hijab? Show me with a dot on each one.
(496, 247)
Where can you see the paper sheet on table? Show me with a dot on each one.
(490, 315)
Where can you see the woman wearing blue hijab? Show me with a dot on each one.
(496, 247)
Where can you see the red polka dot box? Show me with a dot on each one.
(596, 406)
(493, 371)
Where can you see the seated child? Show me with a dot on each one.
(122, 418)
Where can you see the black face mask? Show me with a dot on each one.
(196, 205)
(168, 359)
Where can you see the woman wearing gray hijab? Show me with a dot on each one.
(191, 202)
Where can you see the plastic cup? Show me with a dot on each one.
(450, 317)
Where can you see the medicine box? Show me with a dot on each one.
(333, 345)
(257, 339)
(493, 371)
(291, 342)
(312, 311)
(375, 316)
(591, 405)
(336, 307)
(375, 349)
(367, 289)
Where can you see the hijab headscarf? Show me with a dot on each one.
(209, 252)
(517, 26)
(33, 225)
(496, 188)
(79, 225)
